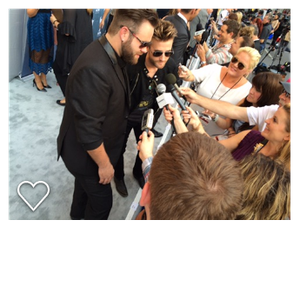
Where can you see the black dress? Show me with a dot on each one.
(74, 33)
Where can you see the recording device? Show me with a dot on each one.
(171, 80)
(147, 121)
(199, 32)
(203, 32)
(206, 118)
(164, 98)
(204, 38)
(183, 68)
(161, 88)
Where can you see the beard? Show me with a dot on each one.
(127, 54)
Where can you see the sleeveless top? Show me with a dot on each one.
(247, 144)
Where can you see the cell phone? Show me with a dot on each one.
(147, 120)
(183, 68)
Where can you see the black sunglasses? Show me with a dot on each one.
(143, 44)
(241, 66)
(158, 53)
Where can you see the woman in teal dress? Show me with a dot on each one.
(41, 43)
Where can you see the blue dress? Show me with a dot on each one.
(41, 41)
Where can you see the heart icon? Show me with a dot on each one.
(33, 186)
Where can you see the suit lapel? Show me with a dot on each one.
(121, 72)
(184, 25)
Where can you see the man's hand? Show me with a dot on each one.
(106, 173)
(145, 145)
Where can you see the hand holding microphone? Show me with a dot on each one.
(171, 113)
(145, 145)
(171, 80)
(164, 98)
(147, 121)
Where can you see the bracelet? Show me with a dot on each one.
(203, 63)
(54, 21)
(215, 118)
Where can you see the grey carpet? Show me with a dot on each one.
(34, 121)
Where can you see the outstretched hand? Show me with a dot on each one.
(145, 145)
(190, 95)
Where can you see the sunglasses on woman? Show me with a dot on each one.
(240, 65)
(158, 53)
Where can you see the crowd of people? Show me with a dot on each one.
(230, 156)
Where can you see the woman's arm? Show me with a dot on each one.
(218, 106)
(173, 113)
(106, 11)
(232, 143)
(31, 12)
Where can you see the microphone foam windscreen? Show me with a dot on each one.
(171, 78)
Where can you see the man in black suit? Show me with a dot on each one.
(181, 23)
(98, 101)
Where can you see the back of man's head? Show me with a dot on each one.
(193, 177)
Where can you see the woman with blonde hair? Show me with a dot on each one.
(218, 82)
(274, 141)
(266, 189)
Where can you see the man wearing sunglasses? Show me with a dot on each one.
(144, 77)
(97, 107)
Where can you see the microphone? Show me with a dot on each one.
(171, 80)
(199, 29)
(147, 121)
(204, 37)
(164, 98)
(161, 88)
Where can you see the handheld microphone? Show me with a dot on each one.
(147, 121)
(171, 80)
(204, 37)
(164, 98)
(199, 29)
(161, 88)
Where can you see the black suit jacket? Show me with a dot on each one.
(181, 40)
(97, 107)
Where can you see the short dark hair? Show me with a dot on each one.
(232, 26)
(186, 11)
(132, 18)
(247, 42)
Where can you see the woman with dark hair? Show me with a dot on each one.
(266, 88)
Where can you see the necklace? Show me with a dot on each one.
(227, 90)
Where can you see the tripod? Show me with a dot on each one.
(279, 68)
